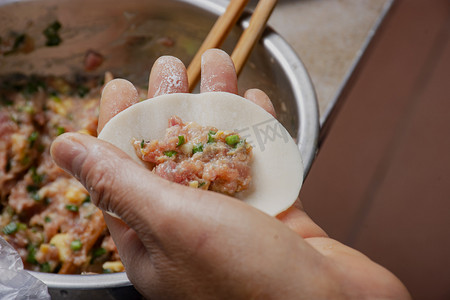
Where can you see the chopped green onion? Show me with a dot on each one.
(197, 148)
(60, 130)
(5, 101)
(32, 138)
(98, 252)
(36, 177)
(28, 109)
(210, 138)
(51, 33)
(142, 143)
(31, 257)
(47, 219)
(32, 188)
(21, 226)
(82, 91)
(10, 211)
(87, 199)
(232, 140)
(31, 88)
(170, 153)
(10, 228)
(241, 143)
(25, 160)
(45, 267)
(18, 42)
(181, 140)
(76, 245)
(201, 184)
(55, 98)
(72, 207)
(35, 196)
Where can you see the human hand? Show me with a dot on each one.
(178, 242)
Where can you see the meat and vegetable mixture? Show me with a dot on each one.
(46, 214)
(199, 156)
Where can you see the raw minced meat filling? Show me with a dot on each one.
(199, 156)
(46, 214)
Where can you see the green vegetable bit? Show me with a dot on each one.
(98, 252)
(32, 188)
(47, 219)
(197, 148)
(31, 87)
(10, 228)
(35, 196)
(45, 267)
(18, 42)
(36, 177)
(72, 207)
(60, 130)
(32, 138)
(82, 91)
(232, 140)
(52, 35)
(170, 153)
(25, 160)
(142, 143)
(33, 192)
(31, 257)
(55, 98)
(21, 226)
(5, 101)
(28, 108)
(181, 140)
(210, 138)
(87, 199)
(76, 245)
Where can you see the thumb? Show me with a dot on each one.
(119, 185)
(116, 183)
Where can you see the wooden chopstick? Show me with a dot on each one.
(215, 38)
(222, 28)
(252, 33)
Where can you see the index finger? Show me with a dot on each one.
(168, 76)
(117, 95)
(218, 73)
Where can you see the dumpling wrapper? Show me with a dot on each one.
(276, 169)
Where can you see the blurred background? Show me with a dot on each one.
(381, 180)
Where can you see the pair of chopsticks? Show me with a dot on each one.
(222, 28)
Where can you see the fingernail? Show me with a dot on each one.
(68, 153)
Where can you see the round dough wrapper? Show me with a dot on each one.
(277, 169)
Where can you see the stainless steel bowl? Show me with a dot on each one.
(131, 35)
